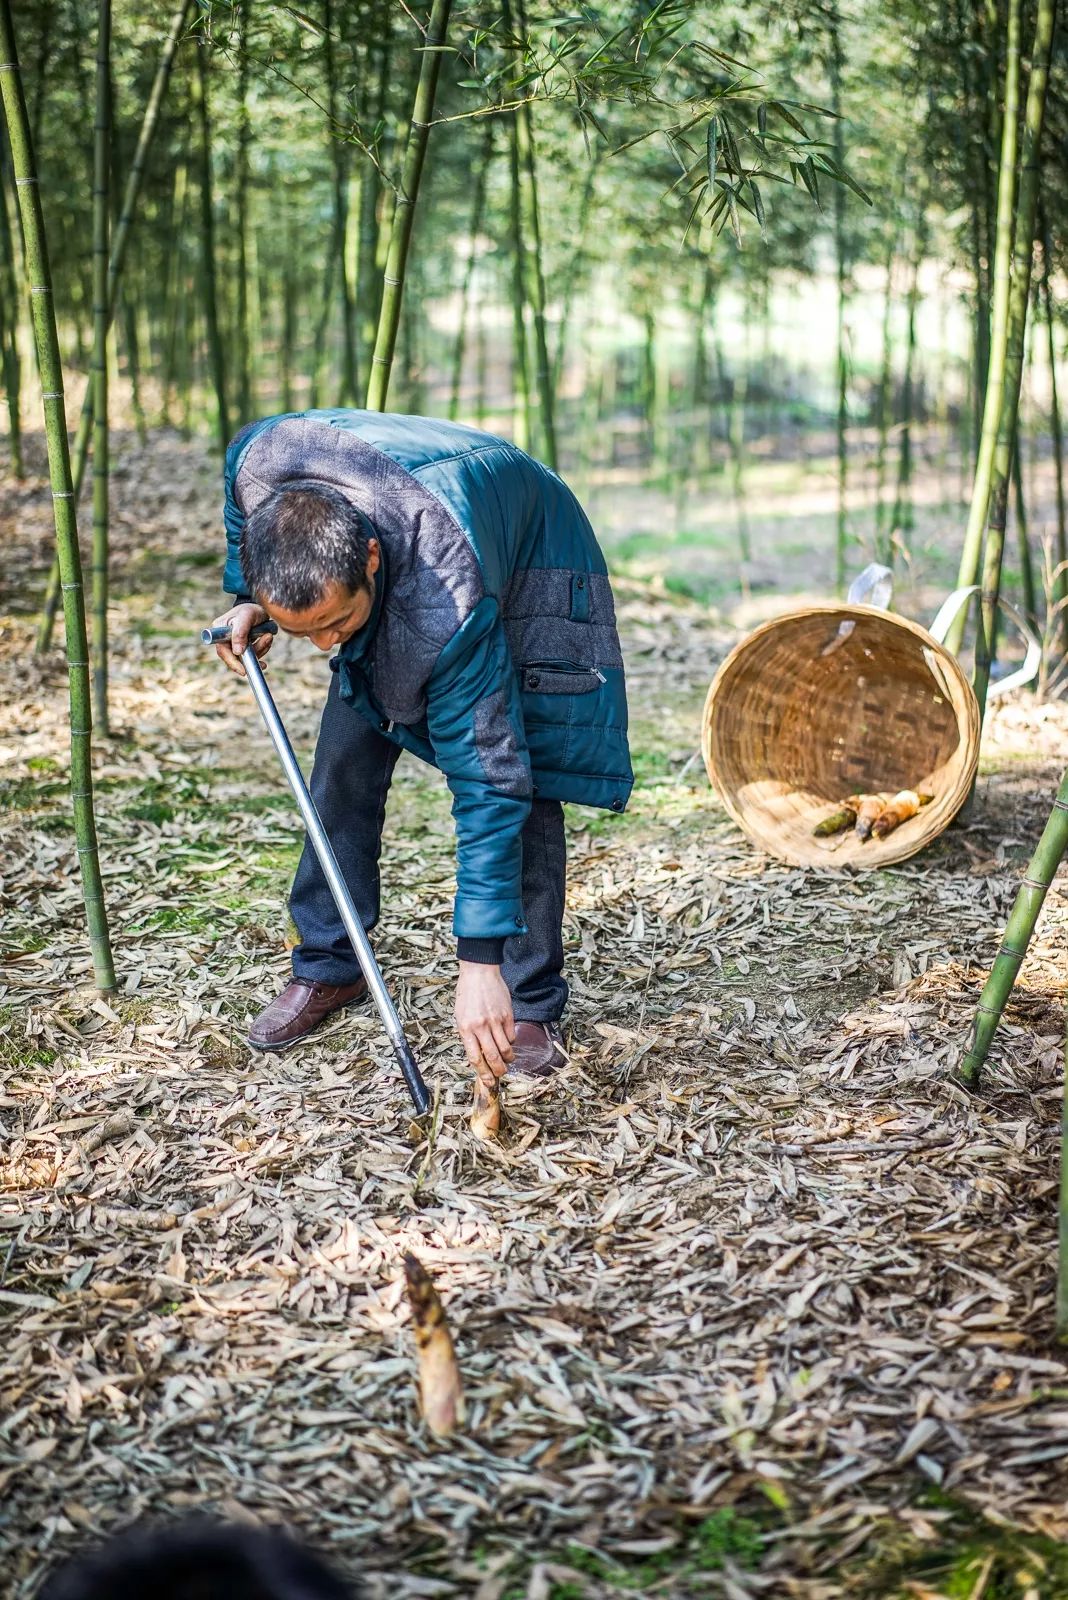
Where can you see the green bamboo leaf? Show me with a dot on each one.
(762, 118)
(731, 143)
(711, 153)
(715, 213)
(758, 207)
(689, 220)
(833, 168)
(787, 116)
(811, 182)
(732, 203)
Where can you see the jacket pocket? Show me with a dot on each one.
(559, 677)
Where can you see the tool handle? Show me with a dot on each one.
(220, 635)
(320, 843)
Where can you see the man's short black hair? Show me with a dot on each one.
(304, 536)
(198, 1559)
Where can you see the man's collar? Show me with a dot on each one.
(355, 649)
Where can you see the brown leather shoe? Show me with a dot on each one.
(299, 1009)
(539, 1050)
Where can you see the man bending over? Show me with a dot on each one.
(462, 590)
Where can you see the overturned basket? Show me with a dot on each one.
(836, 700)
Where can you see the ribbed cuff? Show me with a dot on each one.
(244, 600)
(487, 952)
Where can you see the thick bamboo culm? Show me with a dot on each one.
(535, 288)
(1019, 299)
(99, 370)
(971, 555)
(1018, 932)
(50, 368)
(404, 214)
(10, 363)
(115, 264)
(800, 716)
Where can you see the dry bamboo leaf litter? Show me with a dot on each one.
(753, 1234)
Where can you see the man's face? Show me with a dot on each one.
(339, 614)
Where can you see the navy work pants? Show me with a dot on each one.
(350, 781)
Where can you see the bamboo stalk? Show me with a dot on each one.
(999, 333)
(842, 286)
(174, 292)
(1020, 293)
(884, 547)
(9, 341)
(335, 275)
(99, 370)
(536, 280)
(63, 505)
(241, 184)
(1060, 581)
(149, 125)
(207, 242)
(372, 213)
(348, 385)
(901, 519)
(131, 345)
(1023, 545)
(477, 207)
(520, 369)
(1018, 933)
(404, 213)
(289, 318)
(570, 274)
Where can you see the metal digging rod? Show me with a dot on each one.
(328, 861)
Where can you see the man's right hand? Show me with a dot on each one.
(242, 620)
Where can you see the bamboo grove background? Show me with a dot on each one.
(664, 239)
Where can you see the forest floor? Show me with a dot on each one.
(753, 1300)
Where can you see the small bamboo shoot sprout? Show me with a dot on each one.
(837, 822)
(486, 1114)
(441, 1394)
(868, 807)
(899, 810)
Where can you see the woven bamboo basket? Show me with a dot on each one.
(807, 710)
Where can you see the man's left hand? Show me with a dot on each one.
(484, 1020)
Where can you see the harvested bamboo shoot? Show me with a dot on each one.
(486, 1115)
(441, 1394)
(903, 806)
(868, 807)
(837, 822)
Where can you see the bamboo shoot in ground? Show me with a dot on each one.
(441, 1395)
(486, 1114)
